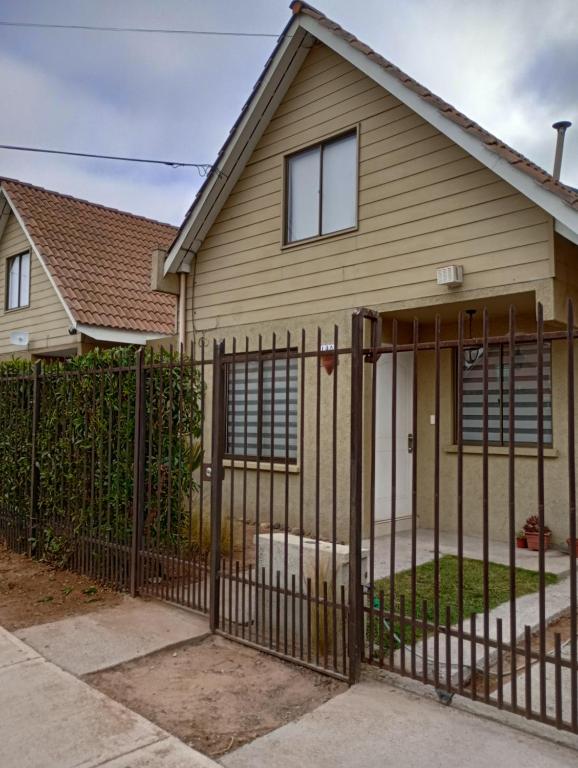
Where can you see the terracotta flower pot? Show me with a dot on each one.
(533, 540)
(521, 542)
(575, 544)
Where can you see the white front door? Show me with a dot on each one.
(383, 436)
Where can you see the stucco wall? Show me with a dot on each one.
(555, 462)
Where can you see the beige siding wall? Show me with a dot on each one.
(423, 202)
(45, 318)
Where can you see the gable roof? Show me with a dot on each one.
(306, 25)
(98, 258)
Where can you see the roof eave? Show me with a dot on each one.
(284, 63)
(38, 254)
(304, 27)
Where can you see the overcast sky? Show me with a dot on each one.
(511, 65)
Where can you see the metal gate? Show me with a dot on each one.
(280, 499)
(456, 459)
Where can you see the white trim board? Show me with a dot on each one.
(119, 336)
(255, 119)
(280, 73)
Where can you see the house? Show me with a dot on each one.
(344, 183)
(75, 275)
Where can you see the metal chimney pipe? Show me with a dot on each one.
(560, 127)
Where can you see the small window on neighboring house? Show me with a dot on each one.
(321, 190)
(525, 396)
(18, 281)
(262, 409)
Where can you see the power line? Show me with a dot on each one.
(146, 30)
(203, 168)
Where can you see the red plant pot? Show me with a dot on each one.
(533, 540)
(570, 544)
(521, 542)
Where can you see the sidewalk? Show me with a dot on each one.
(50, 719)
(374, 725)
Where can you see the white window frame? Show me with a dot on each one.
(286, 242)
(17, 258)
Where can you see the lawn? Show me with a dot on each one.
(473, 591)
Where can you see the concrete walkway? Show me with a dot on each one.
(556, 562)
(374, 725)
(50, 719)
(136, 627)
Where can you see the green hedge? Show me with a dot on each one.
(85, 446)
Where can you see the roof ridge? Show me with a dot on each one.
(83, 201)
(448, 110)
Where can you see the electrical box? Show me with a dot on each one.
(451, 277)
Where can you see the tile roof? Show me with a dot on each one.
(99, 258)
(568, 194)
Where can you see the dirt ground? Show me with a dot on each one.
(216, 695)
(35, 593)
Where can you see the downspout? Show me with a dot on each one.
(182, 310)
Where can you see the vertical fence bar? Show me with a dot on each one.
(512, 502)
(486, 504)
(541, 553)
(414, 399)
(217, 449)
(436, 605)
(138, 474)
(572, 516)
(460, 497)
(356, 619)
(372, 462)
(393, 518)
(335, 413)
(34, 465)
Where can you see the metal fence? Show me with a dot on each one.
(100, 470)
(334, 501)
(475, 615)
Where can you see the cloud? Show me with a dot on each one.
(508, 65)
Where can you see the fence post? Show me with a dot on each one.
(355, 626)
(34, 467)
(217, 451)
(138, 473)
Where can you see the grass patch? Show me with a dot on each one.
(473, 592)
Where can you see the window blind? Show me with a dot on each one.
(262, 409)
(525, 396)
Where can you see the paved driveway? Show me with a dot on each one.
(374, 725)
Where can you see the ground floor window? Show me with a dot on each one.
(525, 395)
(262, 409)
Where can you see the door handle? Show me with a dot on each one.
(410, 443)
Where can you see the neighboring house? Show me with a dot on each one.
(344, 184)
(75, 275)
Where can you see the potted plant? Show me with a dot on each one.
(569, 542)
(532, 531)
(521, 541)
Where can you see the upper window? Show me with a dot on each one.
(321, 193)
(262, 409)
(525, 395)
(18, 281)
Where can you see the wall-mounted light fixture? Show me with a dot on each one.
(472, 354)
